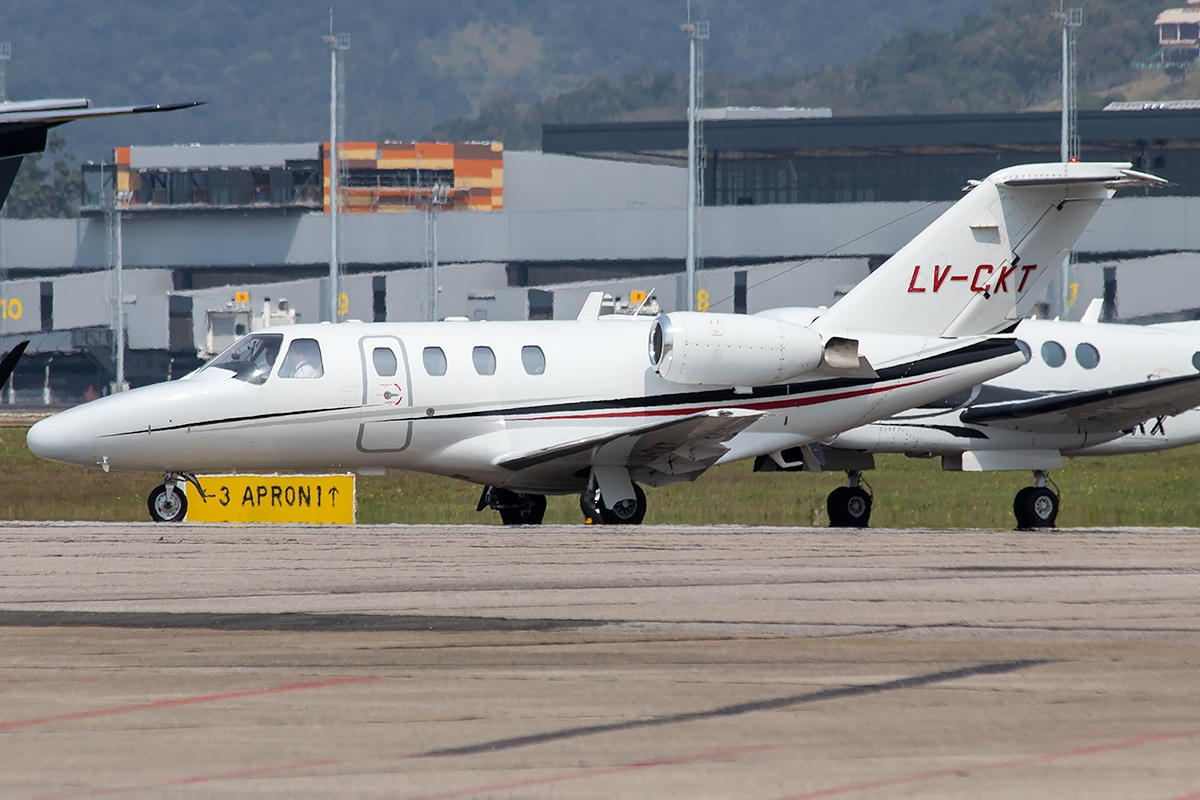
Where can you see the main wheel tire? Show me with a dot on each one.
(522, 509)
(625, 512)
(167, 507)
(849, 507)
(1036, 508)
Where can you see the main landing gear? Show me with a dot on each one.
(168, 502)
(630, 511)
(515, 508)
(850, 506)
(1036, 506)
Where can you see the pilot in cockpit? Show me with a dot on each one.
(303, 360)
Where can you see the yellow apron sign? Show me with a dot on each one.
(325, 499)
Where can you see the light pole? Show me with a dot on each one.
(338, 44)
(696, 33)
(1070, 19)
(438, 194)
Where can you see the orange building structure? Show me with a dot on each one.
(398, 176)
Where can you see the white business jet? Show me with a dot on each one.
(1089, 389)
(527, 409)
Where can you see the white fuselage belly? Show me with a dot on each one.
(461, 424)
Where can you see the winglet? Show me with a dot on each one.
(1092, 315)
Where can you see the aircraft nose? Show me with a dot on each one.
(67, 436)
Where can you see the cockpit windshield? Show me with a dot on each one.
(250, 359)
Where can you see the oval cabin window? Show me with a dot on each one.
(385, 361)
(533, 359)
(485, 360)
(435, 360)
(1087, 355)
(1054, 354)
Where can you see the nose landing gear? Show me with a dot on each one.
(850, 506)
(1036, 507)
(168, 502)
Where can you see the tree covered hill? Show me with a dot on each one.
(263, 67)
(1007, 59)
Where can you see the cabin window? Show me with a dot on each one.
(1087, 356)
(1196, 361)
(1054, 354)
(252, 358)
(485, 360)
(303, 360)
(1022, 346)
(435, 360)
(534, 359)
(385, 361)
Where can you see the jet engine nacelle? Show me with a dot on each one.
(731, 349)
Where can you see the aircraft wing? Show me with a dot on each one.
(10, 362)
(1115, 408)
(680, 446)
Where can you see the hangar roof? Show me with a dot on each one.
(930, 133)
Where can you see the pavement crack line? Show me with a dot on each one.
(737, 709)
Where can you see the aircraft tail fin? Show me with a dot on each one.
(989, 258)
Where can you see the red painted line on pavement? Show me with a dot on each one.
(195, 779)
(1046, 758)
(1192, 796)
(600, 771)
(181, 701)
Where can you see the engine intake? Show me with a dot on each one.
(697, 348)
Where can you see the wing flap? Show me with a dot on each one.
(1115, 408)
(688, 444)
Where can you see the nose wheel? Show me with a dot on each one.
(167, 503)
(623, 512)
(1036, 507)
(849, 506)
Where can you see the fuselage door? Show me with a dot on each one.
(386, 426)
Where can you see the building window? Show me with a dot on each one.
(533, 359)
(435, 360)
(485, 360)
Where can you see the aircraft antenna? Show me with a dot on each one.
(5, 57)
(697, 33)
(338, 45)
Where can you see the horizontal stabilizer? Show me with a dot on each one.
(1116, 408)
(690, 444)
(1111, 179)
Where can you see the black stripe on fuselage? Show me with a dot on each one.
(967, 355)
(974, 353)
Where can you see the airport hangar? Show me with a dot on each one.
(797, 209)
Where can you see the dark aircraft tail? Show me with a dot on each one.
(10, 362)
